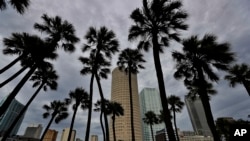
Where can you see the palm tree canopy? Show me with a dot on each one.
(204, 54)
(102, 40)
(47, 76)
(160, 18)
(18, 5)
(81, 97)
(56, 108)
(58, 30)
(150, 118)
(130, 59)
(99, 103)
(115, 109)
(176, 105)
(238, 74)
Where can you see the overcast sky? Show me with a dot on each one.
(228, 19)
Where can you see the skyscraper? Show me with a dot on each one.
(120, 94)
(65, 134)
(33, 131)
(197, 115)
(94, 138)
(9, 116)
(50, 135)
(150, 101)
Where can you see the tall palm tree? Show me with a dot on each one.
(151, 119)
(103, 44)
(43, 79)
(239, 74)
(130, 61)
(81, 98)
(115, 109)
(156, 23)
(176, 105)
(98, 108)
(197, 61)
(18, 5)
(58, 112)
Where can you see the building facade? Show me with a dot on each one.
(94, 138)
(51, 135)
(150, 101)
(65, 134)
(9, 116)
(33, 131)
(120, 94)
(197, 115)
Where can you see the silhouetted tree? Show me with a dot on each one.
(18, 5)
(151, 119)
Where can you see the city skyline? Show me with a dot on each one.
(228, 19)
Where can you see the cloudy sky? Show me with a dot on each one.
(228, 19)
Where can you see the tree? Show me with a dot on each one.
(130, 61)
(151, 119)
(18, 5)
(239, 74)
(103, 44)
(176, 105)
(156, 23)
(115, 109)
(81, 98)
(197, 61)
(58, 112)
(43, 79)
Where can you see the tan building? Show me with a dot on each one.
(65, 134)
(120, 93)
(50, 135)
(94, 138)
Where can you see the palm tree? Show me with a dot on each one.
(239, 74)
(156, 23)
(103, 44)
(151, 119)
(43, 79)
(176, 105)
(115, 109)
(130, 61)
(81, 98)
(197, 61)
(57, 110)
(18, 5)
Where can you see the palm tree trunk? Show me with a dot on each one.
(175, 126)
(21, 113)
(103, 107)
(161, 84)
(247, 87)
(72, 123)
(206, 105)
(131, 106)
(152, 133)
(103, 131)
(13, 94)
(90, 108)
(13, 76)
(113, 118)
(46, 129)
(11, 64)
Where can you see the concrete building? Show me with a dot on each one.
(9, 116)
(51, 135)
(197, 116)
(150, 101)
(94, 138)
(120, 94)
(65, 134)
(33, 131)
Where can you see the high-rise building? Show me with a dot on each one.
(33, 131)
(9, 116)
(94, 138)
(197, 115)
(65, 134)
(120, 94)
(150, 101)
(50, 135)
